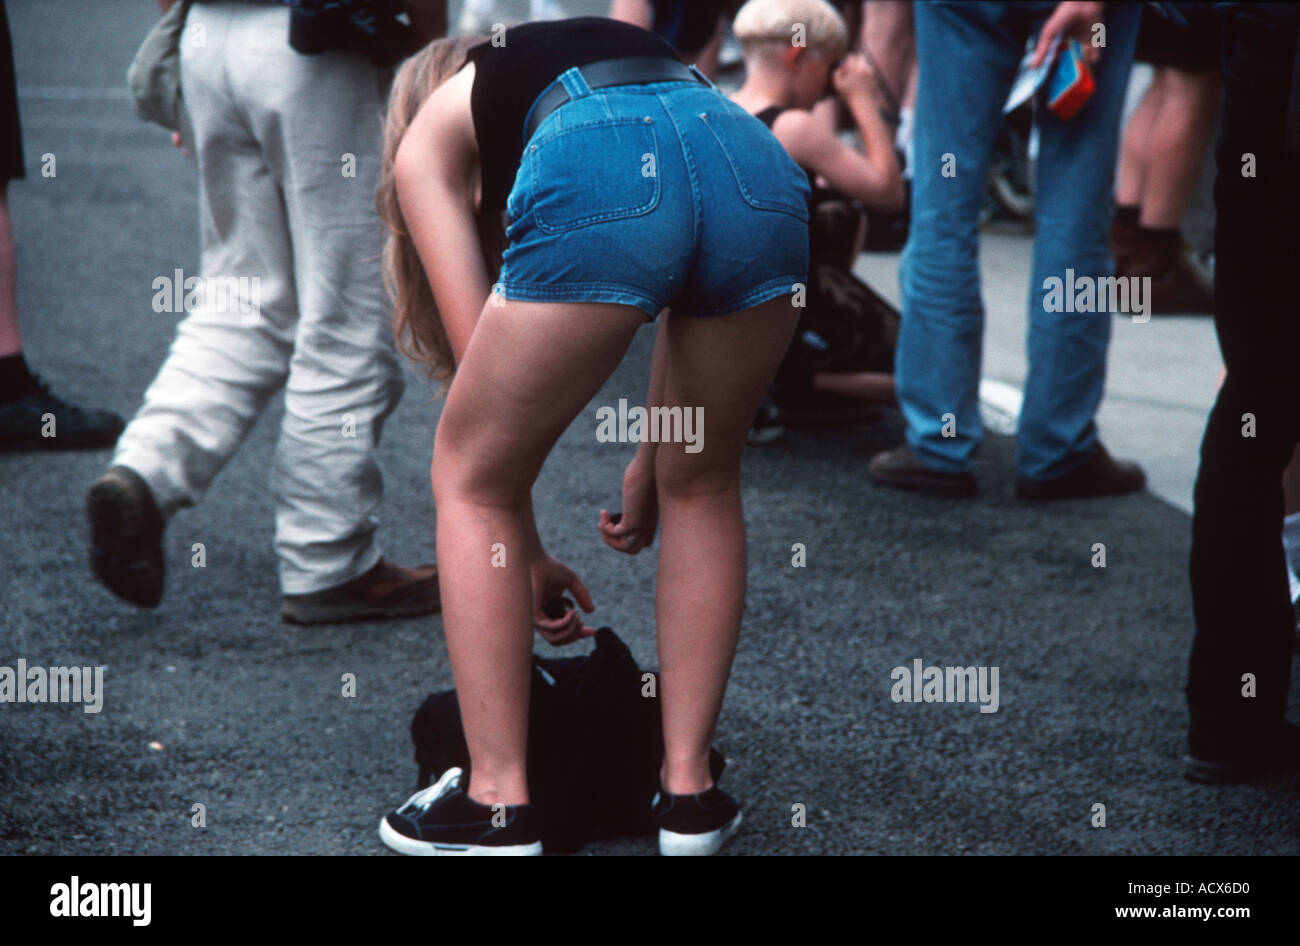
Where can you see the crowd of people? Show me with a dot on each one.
(497, 236)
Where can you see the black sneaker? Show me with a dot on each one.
(443, 820)
(694, 825)
(1273, 753)
(126, 537)
(39, 420)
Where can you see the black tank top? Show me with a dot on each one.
(508, 79)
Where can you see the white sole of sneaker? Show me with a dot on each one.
(404, 845)
(672, 844)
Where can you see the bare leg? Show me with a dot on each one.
(1176, 146)
(10, 343)
(702, 562)
(1135, 148)
(527, 372)
(876, 387)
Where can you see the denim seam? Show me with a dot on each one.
(697, 197)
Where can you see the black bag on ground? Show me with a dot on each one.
(595, 744)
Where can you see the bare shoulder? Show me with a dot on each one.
(802, 134)
(443, 128)
(450, 102)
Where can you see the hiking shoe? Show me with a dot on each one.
(1100, 475)
(901, 469)
(694, 825)
(126, 537)
(39, 420)
(1243, 760)
(386, 591)
(443, 820)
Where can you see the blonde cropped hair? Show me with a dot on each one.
(764, 23)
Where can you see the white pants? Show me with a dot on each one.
(288, 148)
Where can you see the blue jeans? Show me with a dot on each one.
(968, 55)
(653, 195)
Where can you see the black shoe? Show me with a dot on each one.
(39, 420)
(901, 469)
(1276, 752)
(694, 825)
(443, 820)
(126, 537)
(1100, 475)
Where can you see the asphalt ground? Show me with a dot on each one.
(211, 700)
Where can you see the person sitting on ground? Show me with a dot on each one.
(794, 53)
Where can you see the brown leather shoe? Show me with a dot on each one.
(126, 531)
(1100, 475)
(901, 469)
(386, 591)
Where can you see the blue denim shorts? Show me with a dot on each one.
(654, 195)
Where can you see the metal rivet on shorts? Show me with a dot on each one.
(534, 148)
(649, 120)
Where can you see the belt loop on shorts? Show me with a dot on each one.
(702, 77)
(575, 83)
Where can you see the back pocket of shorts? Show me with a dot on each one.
(594, 172)
(767, 177)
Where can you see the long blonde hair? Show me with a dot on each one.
(421, 334)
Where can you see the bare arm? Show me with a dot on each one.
(658, 372)
(640, 514)
(436, 169)
(872, 178)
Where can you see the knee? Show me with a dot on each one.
(465, 471)
(679, 474)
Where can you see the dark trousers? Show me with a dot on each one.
(1244, 620)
